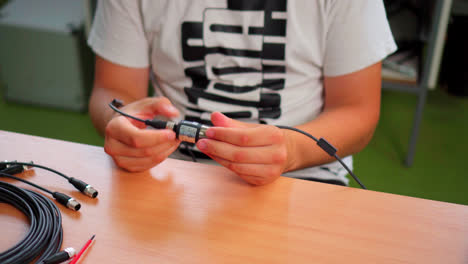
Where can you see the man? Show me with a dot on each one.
(243, 66)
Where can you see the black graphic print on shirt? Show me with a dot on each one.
(235, 59)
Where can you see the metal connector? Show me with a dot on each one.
(73, 204)
(83, 187)
(60, 257)
(66, 200)
(170, 125)
(90, 191)
(202, 133)
(70, 251)
(189, 131)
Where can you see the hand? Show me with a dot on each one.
(134, 148)
(257, 153)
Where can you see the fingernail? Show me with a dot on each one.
(201, 145)
(170, 135)
(210, 133)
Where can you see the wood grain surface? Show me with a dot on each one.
(184, 212)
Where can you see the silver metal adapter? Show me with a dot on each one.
(73, 204)
(90, 191)
(202, 133)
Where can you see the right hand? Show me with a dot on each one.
(134, 148)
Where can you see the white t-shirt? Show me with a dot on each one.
(259, 61)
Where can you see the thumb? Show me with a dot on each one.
(220, 120)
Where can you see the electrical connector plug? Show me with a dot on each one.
(61, 256)
(13, 169)
(67, 201)
(83, 187)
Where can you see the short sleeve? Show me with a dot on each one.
(357, 35)
(117, 33)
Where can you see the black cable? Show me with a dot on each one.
(62, 198)
(299, 131)
(189, 150)
(80, 185)
(327, 147)
(158, 124)
(27, 182)
(45, 235)
(117, 103)
(350, 172)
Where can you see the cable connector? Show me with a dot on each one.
(61, 256)
(3, 165)
(189, 131)
(90, 191)
(155, 123)
(13, 169)
(186, 131)
(6, 163)
(329, 148)
(117, 103)
(67, 201)
(83, 187)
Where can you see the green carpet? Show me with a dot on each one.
(440, 167)
(46, 122)
(439, 171)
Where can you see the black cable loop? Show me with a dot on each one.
(45, 235)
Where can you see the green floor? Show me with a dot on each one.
(440, 170)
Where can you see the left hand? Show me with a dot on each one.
(259, 154)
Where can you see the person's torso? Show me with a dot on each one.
(257, 61)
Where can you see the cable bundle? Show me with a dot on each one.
(45, 234)
(13, 167)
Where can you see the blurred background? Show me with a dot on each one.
(419, 147)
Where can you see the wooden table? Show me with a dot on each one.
(183, 212)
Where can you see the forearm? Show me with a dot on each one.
(350, 115)
(114, 81)
(99, 110)
(347, 128)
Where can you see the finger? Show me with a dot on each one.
(114, 147)
(158, 106)
(254, 180)
(248, 169)
(218, 119)
(272, 154)
(247, 137)
(130, 166)
(137, 164)
(148, 108)
(136, 123)
(248, 172)
(122, 130)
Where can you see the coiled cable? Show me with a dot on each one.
(45, 235)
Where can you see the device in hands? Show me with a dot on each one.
(186, 131)
(191, 132)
